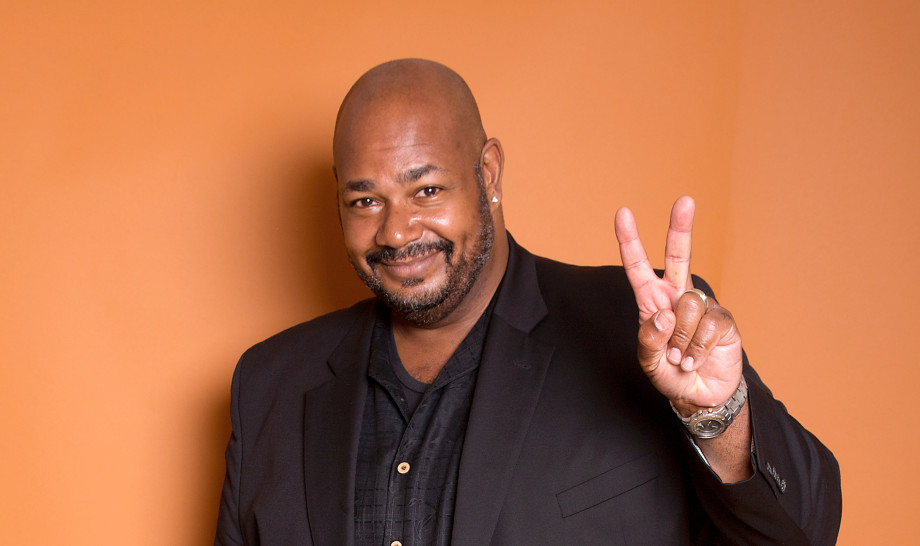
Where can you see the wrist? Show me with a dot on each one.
(684, 409)
(710, 422)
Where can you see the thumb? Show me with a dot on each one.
(653, 339)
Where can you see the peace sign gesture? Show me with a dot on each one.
(689, 346)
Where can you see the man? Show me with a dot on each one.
(489, 396)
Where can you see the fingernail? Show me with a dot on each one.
(674, 356)
(659, 323)
(687, 364)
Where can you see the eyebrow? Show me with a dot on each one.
(358, 185)
(407, 177)
(414, 174)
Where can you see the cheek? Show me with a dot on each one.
(458, 224)
(358, 234)
(442, 221)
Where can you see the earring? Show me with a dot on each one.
(495, 199)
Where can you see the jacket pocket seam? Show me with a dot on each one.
(607, 485)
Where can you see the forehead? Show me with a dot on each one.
(396, 135)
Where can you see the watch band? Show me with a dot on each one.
(710, 423)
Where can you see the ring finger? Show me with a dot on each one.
(689, 311)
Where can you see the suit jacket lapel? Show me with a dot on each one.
(332, 424)
(510, 379)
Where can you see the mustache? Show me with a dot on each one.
(390, 254)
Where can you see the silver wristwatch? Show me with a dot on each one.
(709, 423)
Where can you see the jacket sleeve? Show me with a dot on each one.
(228, 521)
(794, 495)
(792, 498)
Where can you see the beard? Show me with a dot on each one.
(435, 303)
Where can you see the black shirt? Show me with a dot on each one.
(409, 457)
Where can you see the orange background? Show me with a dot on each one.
(167, 201)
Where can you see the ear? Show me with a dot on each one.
(492, 160)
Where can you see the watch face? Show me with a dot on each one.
(708, 426)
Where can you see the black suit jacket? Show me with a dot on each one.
(567, 443)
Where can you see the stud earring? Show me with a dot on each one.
(495, 199)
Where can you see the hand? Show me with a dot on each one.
(692, 355)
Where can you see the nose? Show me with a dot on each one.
(399, 226)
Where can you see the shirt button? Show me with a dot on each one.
(396, 543)
(402, 469)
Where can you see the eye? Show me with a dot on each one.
(429, 191)
(362, 202)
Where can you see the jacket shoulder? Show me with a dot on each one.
(583, 288)
(304, 348)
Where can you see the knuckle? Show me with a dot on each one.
(697, 346)
(707, 333)
(717, 322)
(684, 333)
(681, 338)
(709, 324)
(691, 304)
(648, 335)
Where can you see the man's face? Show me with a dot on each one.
(415, 216)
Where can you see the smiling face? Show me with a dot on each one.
(415, 216)
(415, 206)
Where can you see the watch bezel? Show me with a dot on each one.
(707, 424)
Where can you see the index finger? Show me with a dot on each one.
(677, 246)
(635, 260)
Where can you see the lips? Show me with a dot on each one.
(410, 262)
(410, 268)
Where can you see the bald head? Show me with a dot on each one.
(398, 96)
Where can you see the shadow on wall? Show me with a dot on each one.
(320, 276)
(335, 284)
(216, 420)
